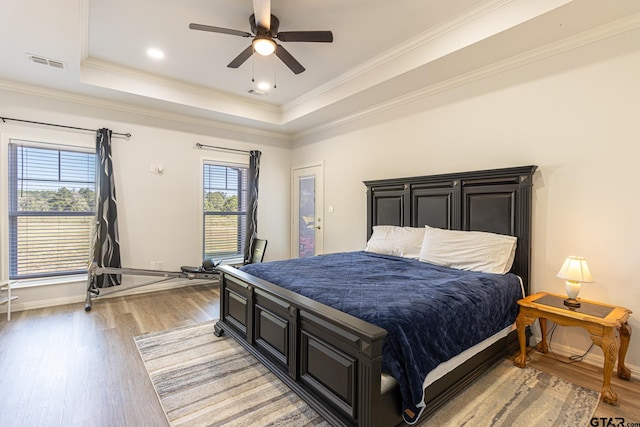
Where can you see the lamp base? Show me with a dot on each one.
(572, 303)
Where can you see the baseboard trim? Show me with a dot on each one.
(76, 299)
(591, 358)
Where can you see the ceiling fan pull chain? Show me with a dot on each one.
(275, 72)
(253, 68)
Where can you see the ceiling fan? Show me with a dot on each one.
(264, 29)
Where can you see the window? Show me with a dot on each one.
(225, 210)
(51, 210)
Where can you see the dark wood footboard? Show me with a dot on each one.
(331, 359)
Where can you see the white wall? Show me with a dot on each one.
(575, 115)
(159, 215)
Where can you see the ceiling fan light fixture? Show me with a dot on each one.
(264, 46)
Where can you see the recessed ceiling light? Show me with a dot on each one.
(264, 86)
(155, 53)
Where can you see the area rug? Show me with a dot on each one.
(203, 380)
(509, 396)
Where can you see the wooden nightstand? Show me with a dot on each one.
(600, 320)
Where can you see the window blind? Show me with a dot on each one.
(51, 210)
(225, 210)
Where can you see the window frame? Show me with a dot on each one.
(239, 256)
(9, 213)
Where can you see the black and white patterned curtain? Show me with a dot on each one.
(106, 243)
(252, 213)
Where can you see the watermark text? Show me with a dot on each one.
(611, 422)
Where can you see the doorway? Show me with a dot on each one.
(307, 209)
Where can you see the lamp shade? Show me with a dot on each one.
(575, 269)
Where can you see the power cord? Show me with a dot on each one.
(572, 359)
(529, 349)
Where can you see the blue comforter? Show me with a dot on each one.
(431, 313)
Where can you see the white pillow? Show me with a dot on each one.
(398, 241)
(468, 250)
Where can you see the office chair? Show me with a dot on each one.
(259, 247)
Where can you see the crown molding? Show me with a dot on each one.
(621, 26)
(143, 111)
(114, 69)
(399, 51)
(480, 23)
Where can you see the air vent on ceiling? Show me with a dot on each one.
(256, 92)
(46, 61)
(39, 60)
(56, 64)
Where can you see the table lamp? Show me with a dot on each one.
(575, 271)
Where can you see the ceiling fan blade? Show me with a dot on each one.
(289, 60)
(239, 60)
(262, 11)
(219, 30)
(306, 36)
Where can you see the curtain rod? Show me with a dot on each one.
(4, 119)
(213, 147)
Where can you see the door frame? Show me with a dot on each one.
(319, 206)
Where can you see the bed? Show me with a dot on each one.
(337, 361)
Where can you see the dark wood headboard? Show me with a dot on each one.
(496, 200)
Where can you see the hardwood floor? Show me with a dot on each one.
(63, 366)
(590, 376)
